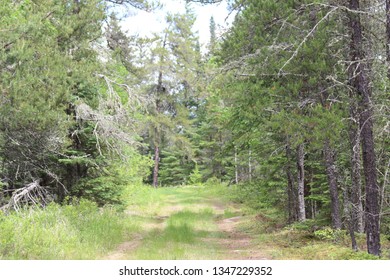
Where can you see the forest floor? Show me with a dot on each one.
(176, 223)
(200, 223)
(187, 223)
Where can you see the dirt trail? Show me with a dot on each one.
(232, 243)
(235, 244)
(155, 223)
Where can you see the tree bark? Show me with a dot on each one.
(156, 165)
(301, 182)
(235, 165)
(357, 213)
(250, 165)
(332, 182)
(388, 37)
(358, 74)
(291, 190)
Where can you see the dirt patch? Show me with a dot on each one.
(123, 249)
(232, 243)
(235, 244)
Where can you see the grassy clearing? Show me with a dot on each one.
(172, 222)
(181, 223)
(168, 224)
(183, 237)
(78, 231)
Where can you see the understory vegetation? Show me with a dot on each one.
(313, 239)
(170, 223)
(79, 230)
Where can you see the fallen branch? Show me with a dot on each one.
(31, 194)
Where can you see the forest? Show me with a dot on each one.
(279, 125)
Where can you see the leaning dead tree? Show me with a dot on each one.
(32, 194)
(113, 119)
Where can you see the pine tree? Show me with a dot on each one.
(175, 59)
(213, 36)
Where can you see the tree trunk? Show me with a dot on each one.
(357, 217)
(157, 136)
(236, 164)
(332, 182)
(291, 190)
(358, 74)
(156, 165)
(250, 165)
(388, 37)
(301, 182)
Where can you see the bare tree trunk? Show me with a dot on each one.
(301, 182)
(157, 135)
(356, 185)
(388, 37)
(332, 182)
(291, 190)
(358, 74)
(250, 165)
(156, 165)
(235, 165)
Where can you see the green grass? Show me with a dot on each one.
(183, 237)
(79, 231)
(188, 229)
(167, 224)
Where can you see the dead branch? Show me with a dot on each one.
(311, 32)
(32, 194)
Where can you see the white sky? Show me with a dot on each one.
(144, 23)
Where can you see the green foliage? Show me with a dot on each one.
(212, 182)
(103, 190)
(257, 195)
(195, 176)
(329, 234)
(108, 187)
(175, 168)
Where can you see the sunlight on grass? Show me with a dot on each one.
(181, 222)
(79, 231)
(181, 238)
(166, 224)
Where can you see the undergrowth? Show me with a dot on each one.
(77, 231)
(313, 239)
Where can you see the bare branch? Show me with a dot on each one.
(306, 38)
(32, 194)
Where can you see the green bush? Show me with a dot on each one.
(107, 188)
(256, 195)
(102, 190)
(212, 182)
(196, 176)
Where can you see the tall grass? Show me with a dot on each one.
(77, 231)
